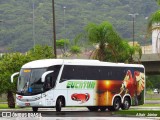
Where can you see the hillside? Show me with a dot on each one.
(18, 29)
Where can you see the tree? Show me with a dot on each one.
(153, 19)
(155, 81)
(40, 52)
(100, 35)
(109, 45)
(158, 2)
(16, 28)
(12, 62)
(153, 24)
(63, 45)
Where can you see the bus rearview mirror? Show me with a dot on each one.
(45, 74)
(12, 76)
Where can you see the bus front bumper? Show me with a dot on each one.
(37, 103)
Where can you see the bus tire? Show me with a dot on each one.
(59, 105)
(116, 105)
(93, 108)
(35, 109)
(126, 104)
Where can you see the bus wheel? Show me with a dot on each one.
(35, 109)
(126, 104)
(59, 105)
(92, 108)
(103, 108)
(116, 105)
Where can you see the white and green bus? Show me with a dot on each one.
(57, 83)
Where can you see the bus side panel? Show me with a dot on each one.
(100, 88)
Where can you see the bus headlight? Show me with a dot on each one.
(40, 103)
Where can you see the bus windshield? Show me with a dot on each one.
(30, 81)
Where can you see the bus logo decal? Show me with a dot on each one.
(81, 84)
(80, 97)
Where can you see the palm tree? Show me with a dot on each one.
(101, 35)
(109, 45)
(154, 24)
(158, 2)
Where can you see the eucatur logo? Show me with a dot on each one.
(81, 84)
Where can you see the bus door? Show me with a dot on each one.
(48, 88)
(49, 79)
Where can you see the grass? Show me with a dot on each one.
(152, 99)
(2, 100)
(5, 106)
(149, 92)
(150, 105)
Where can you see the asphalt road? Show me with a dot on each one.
(73, 113)
(69, 113)
(152, 102)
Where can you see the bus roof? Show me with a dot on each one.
(51, 62)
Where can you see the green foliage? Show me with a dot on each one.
(101, 34)
(63, 45)
(16, 30)
(154, 19)
(149, 84)
(62, 42)
(158, 2)
(153, 81)
(10, 63)
(75, 49)
(109, 45)
(40, 52)
(76, 46)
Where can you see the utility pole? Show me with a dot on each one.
(133, 16)
(33, 25)
(54, 29)
(64, 12)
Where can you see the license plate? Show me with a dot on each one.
(27, 104)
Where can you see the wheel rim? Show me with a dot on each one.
(117, 104)
(60, 103)
(126, 104)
